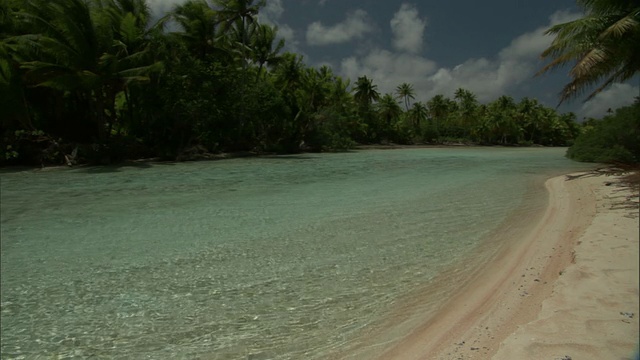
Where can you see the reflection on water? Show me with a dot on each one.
(264, 258)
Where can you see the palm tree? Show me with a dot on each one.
(14, 112)
(137, 9)
(80, 49)
(500, 117)
(406, 92)
(340, 94)
(311, 100)
(604, 46)
(417, 115)
(438, 110)
(481, 131)
(132, 37)
(572, 126)
(262, 39)
(317, 87)
(365, 92)
(389, 109)
(288, 72)
(290, 80)
(528, 116)
(236, 16)
(467, 108)
(557, 130)
(62, 53)
(198, 21)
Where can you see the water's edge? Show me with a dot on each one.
(295, 257)
(420, 305)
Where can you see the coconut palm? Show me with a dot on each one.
(405, 91)
(417, 114)
(263, 51)
(235, 16)
(529, 118)
(138, 10)
(389, 109)
(62, 53)
(603, 46)
(317, 87)
(198, 21)
(389, 112)
(500, 119)
(438, 111)
(289, 72)
(13, 106)
(81, 48)
(365, 92)
(467, 108)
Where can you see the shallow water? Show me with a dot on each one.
(262, 258)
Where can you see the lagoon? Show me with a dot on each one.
(282, 257)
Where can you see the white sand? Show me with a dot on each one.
(559, 292)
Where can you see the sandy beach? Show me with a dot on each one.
(568, 290)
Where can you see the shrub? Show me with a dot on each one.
(614, 139)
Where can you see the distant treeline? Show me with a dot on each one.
(96, 81)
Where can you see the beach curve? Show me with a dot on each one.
(551, 294)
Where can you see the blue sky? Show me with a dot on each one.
(489, 47)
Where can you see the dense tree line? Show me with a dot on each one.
(613, 139)
(95, 80)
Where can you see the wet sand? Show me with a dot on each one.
(568, 290)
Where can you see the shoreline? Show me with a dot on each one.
(510, 308)
(593, 310)
(148, 162)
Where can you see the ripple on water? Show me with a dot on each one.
(278, 258)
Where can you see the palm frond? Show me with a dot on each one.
(603, 46)
(621, 27)
(589, 61)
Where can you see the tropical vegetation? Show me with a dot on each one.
(98, 81)
(602, 47)
(614, 139)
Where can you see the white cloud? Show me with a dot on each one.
(286, 32)
(487, 77)
(271, 14)
(526, 46)
(408, 29)
(513, 65)
(388, 69)
(272, 11)
(355, 26)
(484, 77)
(563, 16)
(617, 95)
(160, 7)
(533, 43)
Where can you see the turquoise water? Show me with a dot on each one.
(263, 258)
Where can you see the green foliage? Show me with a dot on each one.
(614, 139)
(34, 146)
(96, 76)
(603, 46)
(405, 92)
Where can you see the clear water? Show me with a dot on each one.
(262, 258)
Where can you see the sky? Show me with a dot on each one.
(490, 47)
